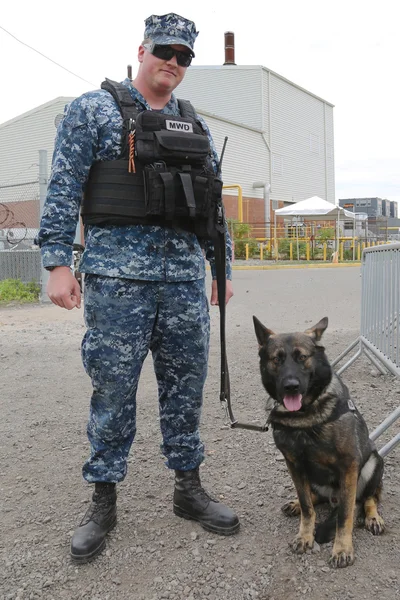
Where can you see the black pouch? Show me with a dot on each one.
(177, 192)
(154, 195)
(213, 220)
(170, 139)
(216, 221)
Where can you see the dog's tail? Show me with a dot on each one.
(325, 531)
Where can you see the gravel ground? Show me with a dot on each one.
(152, 555)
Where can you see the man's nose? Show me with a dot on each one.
(173, 60)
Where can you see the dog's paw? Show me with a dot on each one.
(291, 509)
(341, 558)
(376, 525)
(301, 544)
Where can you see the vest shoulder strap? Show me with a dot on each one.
(124, 100)
(187, 110)
(122, 97)
(128, 108)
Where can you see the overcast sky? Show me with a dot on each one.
(346, 52)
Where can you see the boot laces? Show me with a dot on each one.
(200, 491)
(96, 510)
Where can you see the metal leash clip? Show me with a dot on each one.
(228, 421)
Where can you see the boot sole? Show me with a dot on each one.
(213, 528)
(85, 558)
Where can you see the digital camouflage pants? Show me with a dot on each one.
(125, 319)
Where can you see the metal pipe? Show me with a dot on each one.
(389, 446)
(240, 198)
(267, 205)
(384, 359)
(43, 181)
(339, 358)
(349, 362)
(385, 424)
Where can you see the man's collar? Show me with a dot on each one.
(137, 96)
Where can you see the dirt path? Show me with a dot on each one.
(151, 555)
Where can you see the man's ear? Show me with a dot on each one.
(141, 51)
(262, 332)
(317, 330)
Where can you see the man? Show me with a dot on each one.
(144, 268)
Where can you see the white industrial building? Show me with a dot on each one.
(21, 139)
(278, 132)
(280, 138)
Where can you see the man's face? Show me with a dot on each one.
(161, 75)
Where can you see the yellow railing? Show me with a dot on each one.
(269, 250)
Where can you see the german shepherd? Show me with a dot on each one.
(323, 438)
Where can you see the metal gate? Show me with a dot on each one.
(379, 328)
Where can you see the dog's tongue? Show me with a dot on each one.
(293, 403)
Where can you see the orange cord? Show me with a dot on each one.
(131, 164)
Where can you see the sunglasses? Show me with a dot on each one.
(167, 52)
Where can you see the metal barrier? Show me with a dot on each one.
(379, 328)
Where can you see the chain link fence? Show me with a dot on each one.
(19, 226)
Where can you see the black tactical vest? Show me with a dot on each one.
(173, 183)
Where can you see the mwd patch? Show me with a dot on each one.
(178, 126)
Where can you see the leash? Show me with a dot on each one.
(225, 391)
(220, 265)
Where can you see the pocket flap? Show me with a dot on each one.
(183, 142)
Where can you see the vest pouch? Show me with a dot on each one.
(154, 192)
(203, 186)
(177, 193)
(181, 148)
(164, 192)
(207, 227)
(171, 139)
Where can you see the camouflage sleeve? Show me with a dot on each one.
(74, 152)
(209, 247)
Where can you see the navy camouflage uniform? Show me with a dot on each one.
(144, 289)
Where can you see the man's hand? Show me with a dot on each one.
(63, 289)
(214, 292)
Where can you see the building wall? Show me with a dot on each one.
(26, 212)
(301, 142)
(230, 92)
(295, 126)
(374, 207)
(21, 139)
(278, 134)
(20, 142)
(246, 157)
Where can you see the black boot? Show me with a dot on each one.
(191, 501)
(89, 538)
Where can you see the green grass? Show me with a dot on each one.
(13, 290)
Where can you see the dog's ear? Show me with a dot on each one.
(317, 330)
(262, 332)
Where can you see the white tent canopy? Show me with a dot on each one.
(315, 209)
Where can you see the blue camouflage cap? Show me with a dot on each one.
(171, 29)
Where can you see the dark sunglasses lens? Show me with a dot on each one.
(163, 52)
(166, 53)
(183, 59)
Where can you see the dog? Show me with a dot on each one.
(323, 438)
